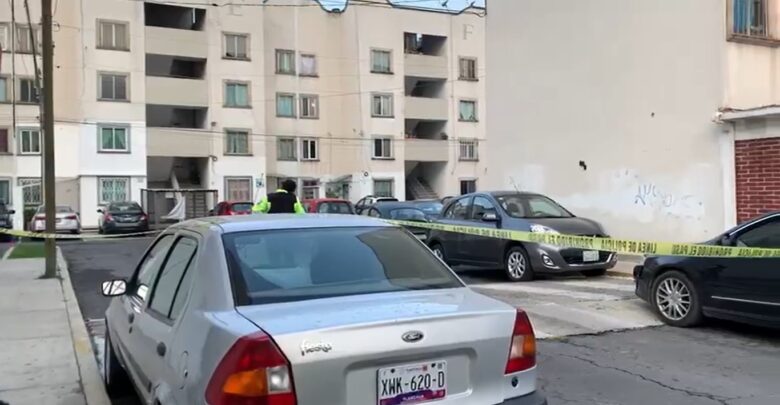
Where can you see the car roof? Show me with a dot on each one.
(391, 205)
(508, 193)
(319, 200)
(265, 222)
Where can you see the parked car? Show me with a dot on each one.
(369, 201)
(66, 220)
(232, 208)
(122, 217)
(432, 208)
(518, 211)
(685, 290)
(310, 310)
(329, 206)
(402, 211)
(6, 220)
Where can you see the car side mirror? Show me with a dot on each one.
(11, 212)
(114, 288)
(726, 240)
(100, 210)
(490, 217)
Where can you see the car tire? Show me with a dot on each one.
(594, 272)
(676, 300)
(517, 266)
(438, 251)
(114, 376)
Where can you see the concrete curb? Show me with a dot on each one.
(91, 380)
(621, 274)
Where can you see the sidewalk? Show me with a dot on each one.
(45, 353)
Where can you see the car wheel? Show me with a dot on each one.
(676, 300)
(114, 376)
(594, 272)
(517, 266)
(438, 250)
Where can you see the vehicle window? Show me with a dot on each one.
(480, 207)
(407, 214)
(532, 206)
(295, 265)
(242, 207)
(124, 207)
(334, 207)
(169, 280)
(458, 209)
(430, 207)
(373, 212)
(59, 210)
(766, 235)
(150, 266)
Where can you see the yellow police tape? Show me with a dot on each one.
(622, 246)
(40, 235)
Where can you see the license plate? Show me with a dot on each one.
(412, 383)
(590, 256)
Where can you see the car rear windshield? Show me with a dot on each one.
(334, 207)
(532, 206)
(407, 214)
(241, 207)
(430, 207)
(59, 210)
(125, 207)
(303, 264)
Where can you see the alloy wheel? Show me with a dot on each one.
(516, 264)
(673, 299)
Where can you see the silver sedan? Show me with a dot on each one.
(310, 310)
(65, 220)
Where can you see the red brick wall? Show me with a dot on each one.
(757, 177)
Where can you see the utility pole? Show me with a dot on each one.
(48, 138)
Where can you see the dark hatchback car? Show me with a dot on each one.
(401, 211)
(520, 212)
(685, 290)
(120, 217)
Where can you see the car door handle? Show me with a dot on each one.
(131, 318)
(161, 349)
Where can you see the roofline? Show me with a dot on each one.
(730, 115)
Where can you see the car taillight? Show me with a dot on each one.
(522, 351)
(253, 372)
(143, 217)
(72, 217)
(108, 217)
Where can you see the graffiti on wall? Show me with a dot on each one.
(649, 194)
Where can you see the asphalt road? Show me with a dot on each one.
(722, 363)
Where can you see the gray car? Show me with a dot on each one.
(310, 310)
(66, 220)
(518, 211)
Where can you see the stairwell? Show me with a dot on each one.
(419, 189)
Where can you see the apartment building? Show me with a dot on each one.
(365, 98)
(657, 118)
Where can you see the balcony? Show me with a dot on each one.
(176, 91)
(426, 150)
(425, 66)
(178, 142)
(426, 109)
(176, 42)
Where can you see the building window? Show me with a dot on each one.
(113, 35)
(381, 61)
(236, 95)
(31, 192)
(468, 150)
(310, 149)
(238, 188)
(750, 18)
(467, 110)
(383, 148)
(236, 142)
(28, 93)
(467, 69)
(113, 189)
(308, 65)
(285, 62)
(383, 188)
(236, 46)
(285, 149)
(5, 37)
(5, 146)
(310, 189)
(285, 105)
(113, 139)
(29, 141)
(23, 40)
(310, 106)
(112, 87)
(468, 186)
(5, 94)
(5, 191)
(382, 105)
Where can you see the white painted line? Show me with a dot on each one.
(7, 253)
(558, 292)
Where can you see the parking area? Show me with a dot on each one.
(599, 343)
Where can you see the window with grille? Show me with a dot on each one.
(383, 188)
(285, 62)
(113, 35)
(308, 65)
(113, 189)
(5, 146)
(468, 69)
(112, 87)
(29, 141)
(468, 150)
(381, 61)
(236, 94)
(310, 106)
(285, 105)
(5, 91)
(31, 192)
(236, 46)
(236, 142)
(27, 91)
(750, 18)
(383, 148)
(382, 105)
(113, 139)
(467, 110)
(238, 188)
(310, 149)
(286, 149)
(310, 189)
(5, 37)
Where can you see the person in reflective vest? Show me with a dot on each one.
(282, 201)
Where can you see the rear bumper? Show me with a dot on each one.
(534, 398)
(554, 259)
(125, 227)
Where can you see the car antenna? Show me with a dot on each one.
(512, 180)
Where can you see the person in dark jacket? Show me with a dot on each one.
(282, 201)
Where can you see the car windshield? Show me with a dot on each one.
(242, 207)
(125, 207)
(61, 209)
(407, 214)
(532, 206)
(304, 264)
(334, 207)
(429, 207)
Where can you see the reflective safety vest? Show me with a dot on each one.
(279, 202)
